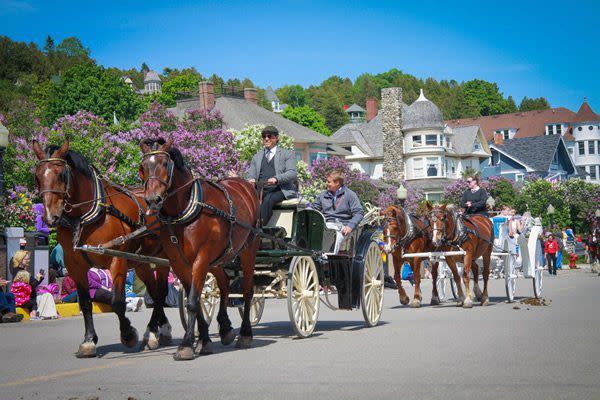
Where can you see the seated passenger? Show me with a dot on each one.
(274, 165)
(340, 206)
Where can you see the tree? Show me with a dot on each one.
(307, 117)
(73, 48)
(484, 97)
(528, 104)
(178, 84)
(91, 88)
(293, 95)
(535, 196)
(49, 46)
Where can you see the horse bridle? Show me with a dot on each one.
(170, 167)
(399, 241)
(433, 217)
(67, 207)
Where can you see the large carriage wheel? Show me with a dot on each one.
(303, 295)
(208, 301)
(510, 273)
(371, 297)
(443, 274)
(256, 310)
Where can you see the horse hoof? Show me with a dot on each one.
(404, 300)
(165, 340)
(149, 341)
(164, 334)
(184, 354)
(468, 303)
(243, 342)
(435, 301)
(415, 303)
(228, 338)
(206, 348)
(485, 302)
(130, 339)
(86, 350)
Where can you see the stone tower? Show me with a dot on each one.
(393, 139)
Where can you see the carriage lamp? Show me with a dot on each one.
(401, 194)
(3, 146)
(550, 211)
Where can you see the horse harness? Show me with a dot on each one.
(99, 206)
(460, 233)
(412, 231)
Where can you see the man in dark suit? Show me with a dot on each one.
(277, 167)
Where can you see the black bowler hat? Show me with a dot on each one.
(271, 130)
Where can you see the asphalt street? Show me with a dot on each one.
(502, 351)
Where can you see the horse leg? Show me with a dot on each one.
(486, 274)
(468, 303)
(404, 299)
(162, 289)
(435, 298)
(88, 347)
(225, 329)
(248, 258)
(185, 351)
(415, 265)
(457, 279)
(476, 289)
(157, 290)
(118, 269)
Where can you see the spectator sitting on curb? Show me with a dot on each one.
(69, 289)
(134, 303)
(7, 304)
(100, 285)
(20, 262)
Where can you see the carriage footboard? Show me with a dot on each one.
(338, 271)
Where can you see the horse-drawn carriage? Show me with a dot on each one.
(517, 252)
(295, 262)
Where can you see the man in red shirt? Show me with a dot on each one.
(551, 249)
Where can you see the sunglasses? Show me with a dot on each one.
(269, 136)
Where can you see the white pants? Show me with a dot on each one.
(46, 307)
(339, 236)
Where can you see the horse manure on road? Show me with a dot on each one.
(532, 301)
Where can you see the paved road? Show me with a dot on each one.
(495, 352)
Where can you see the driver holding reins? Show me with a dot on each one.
(277, 167)
(474, 198)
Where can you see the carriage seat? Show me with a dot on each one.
(291, 203)
(283, 215)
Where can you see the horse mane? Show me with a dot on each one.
(174, 152)
(451, 207)
(74, 159)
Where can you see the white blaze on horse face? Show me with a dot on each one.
(47, 172)
(388, 245)
(436, 231)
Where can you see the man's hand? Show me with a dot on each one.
(346, 230)
(468, 203)
(272, 181)
(3, 282)
(252, 181)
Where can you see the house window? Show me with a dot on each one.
(418, 168)
(559, 129)
(316, 156)
(298, 155)
(519, 177)
(433, 166)
(450, 168)
(504, 132)
(434, 196)
(581, 148)
(590, 127)
(579, 129)
(448, 143)
(591, 147)
(476, 146)
(593, 174)
(550, 130)
(431, 140)
(417, 141)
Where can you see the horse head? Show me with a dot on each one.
(53, 181)
(441, 222)
(394, 227)
(156, 171)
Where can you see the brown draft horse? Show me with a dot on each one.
(478, 241)
(66, 184)
(404, 233)
(207, 239)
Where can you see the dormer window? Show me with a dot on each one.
(476, 146)
(554, 129)
(504, 132)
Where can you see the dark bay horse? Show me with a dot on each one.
(86, 209)
(404, 233)
(200, 229)
(475, 237)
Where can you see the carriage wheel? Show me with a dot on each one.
(454, 288)
(256, 310)
(441, 287)
(372, 285)
(510, 274)
(208, 301)
(303, 295)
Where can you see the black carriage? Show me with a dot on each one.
(295, 262)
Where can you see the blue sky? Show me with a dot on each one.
(535, 48)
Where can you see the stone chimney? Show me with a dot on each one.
(207, 95)
(393, 138)
(498, 139)
(251, 95)
(371, 108)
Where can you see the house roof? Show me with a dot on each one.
(355, 108)
(527, 124)
(151, 76)
(422, 114)
(585, 113)
(270, 94)
(238, 113)
(536, 152)
(368, 136)
(463, 138)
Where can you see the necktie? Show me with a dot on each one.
(268, 154)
